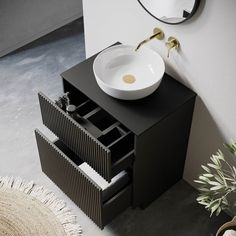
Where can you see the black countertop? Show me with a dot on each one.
(138, 115)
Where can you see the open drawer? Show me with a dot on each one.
(63, 167)
(99, 139)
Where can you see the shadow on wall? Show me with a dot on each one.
(205, 139)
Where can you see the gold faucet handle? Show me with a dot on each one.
(172, 43)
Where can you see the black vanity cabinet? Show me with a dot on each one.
(146, 139)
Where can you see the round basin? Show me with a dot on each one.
(126, 74)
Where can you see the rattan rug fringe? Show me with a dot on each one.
(28, 209)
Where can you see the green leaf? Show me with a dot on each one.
(225, 201)
(208, 175)
(234, 170)
(212, 203)
(214, 183)
(220, 155)
(221, 174)
(206, 168)
(214, 207)
(231, 147)
(229, 179)
(199, 182)
(204, 189)
(218, 211)
(204, 178)
(203, 203)
(217, 187)
(217, 177)
(202, 197)
(213, 166)
(215, 160)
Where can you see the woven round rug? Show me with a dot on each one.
(30, 210)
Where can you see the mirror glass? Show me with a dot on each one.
(170, 11)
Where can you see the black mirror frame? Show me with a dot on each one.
(195, 7)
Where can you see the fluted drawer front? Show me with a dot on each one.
(82, 190)
(77, 185)
(76, 137)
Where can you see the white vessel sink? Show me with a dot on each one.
(124, 73)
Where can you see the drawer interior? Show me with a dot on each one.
(111, 136)
(118, 182)
(90, 132)
(114, 135)
(94, 117)
(86, 108)
(102, 120)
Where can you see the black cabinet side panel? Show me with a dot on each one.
(160, 155)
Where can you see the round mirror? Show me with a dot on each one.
(170, 11)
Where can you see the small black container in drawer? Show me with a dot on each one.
(61, 166)
(106, 157)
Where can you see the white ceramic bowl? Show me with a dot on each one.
(126, 74)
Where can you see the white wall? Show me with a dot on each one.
(22, 21)
(206, 62)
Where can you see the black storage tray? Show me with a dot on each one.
(108, 147)
(64, 171)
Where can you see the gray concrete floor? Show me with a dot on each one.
(37, 67)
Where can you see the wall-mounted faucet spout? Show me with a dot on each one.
(157, 34)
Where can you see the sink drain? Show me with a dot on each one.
(129, 79)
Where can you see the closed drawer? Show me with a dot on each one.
(62, 166)
(99, 139)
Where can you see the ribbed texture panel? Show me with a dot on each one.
(79, 187)
(76, 137)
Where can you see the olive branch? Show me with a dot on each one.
(217, 182)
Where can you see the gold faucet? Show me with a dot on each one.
(172, 43)
(157, 33)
